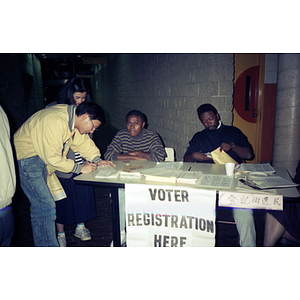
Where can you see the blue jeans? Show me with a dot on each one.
(122, 211)
(245, 226)
(7, 226)
(33, 179)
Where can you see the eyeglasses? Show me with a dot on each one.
(94, 127)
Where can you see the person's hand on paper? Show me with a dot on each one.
(225, 147)
(199, 156)
(242, 152)
(106, 162)
(88, 168)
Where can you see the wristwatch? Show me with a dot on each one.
(232, 145)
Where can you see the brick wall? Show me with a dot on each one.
(168, 88)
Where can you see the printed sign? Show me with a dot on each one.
(244, 200)
(169, 216)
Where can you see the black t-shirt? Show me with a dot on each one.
(207, 141)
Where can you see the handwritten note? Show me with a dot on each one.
(257, 201)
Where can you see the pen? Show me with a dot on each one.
(189, 169)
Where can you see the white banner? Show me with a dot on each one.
(169, 216)
(247, 200)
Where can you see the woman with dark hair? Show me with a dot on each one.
(79, 206)
(73, 92)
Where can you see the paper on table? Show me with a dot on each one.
(189, 176)
(244, 187)
(266, 168)
(272, 182)
(215, 181)
(106, 172)
(170, 165)
(161, 174)
(132, 175)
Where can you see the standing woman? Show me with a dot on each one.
(79, 206)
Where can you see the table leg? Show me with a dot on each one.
(115, 217)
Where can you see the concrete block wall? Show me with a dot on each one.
(287, 128)
(168, 88)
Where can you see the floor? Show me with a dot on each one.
(100, 227)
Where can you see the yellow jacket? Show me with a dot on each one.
(7, 165)
(50, 133)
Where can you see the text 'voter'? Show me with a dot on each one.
(169, 195)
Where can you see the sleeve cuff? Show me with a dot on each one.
(77, 168)
(96, 159)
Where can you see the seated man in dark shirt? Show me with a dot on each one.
(228, 138)
(231, 140)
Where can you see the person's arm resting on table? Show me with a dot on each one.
(135, 155)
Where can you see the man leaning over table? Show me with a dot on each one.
(231, 140)
(42, 144)
(134, 143)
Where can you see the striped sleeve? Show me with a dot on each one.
(156, 149)
(124, 143)
(114, 147)
(78, 158)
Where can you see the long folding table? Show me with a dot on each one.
(114, 184)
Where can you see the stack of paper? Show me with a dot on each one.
(215, 181)
(189, 177)
(175, 165)
(133, 175)
(266, 168)
(272, 182)
(106, 172)
(163, 172)
(244, 187)
(161, 175)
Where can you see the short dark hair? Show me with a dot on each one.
(73, 85)
(206, 107)
(94, 110)
(137, 113)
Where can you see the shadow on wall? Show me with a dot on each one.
(103, 136)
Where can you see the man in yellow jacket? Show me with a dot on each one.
(42, 144)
